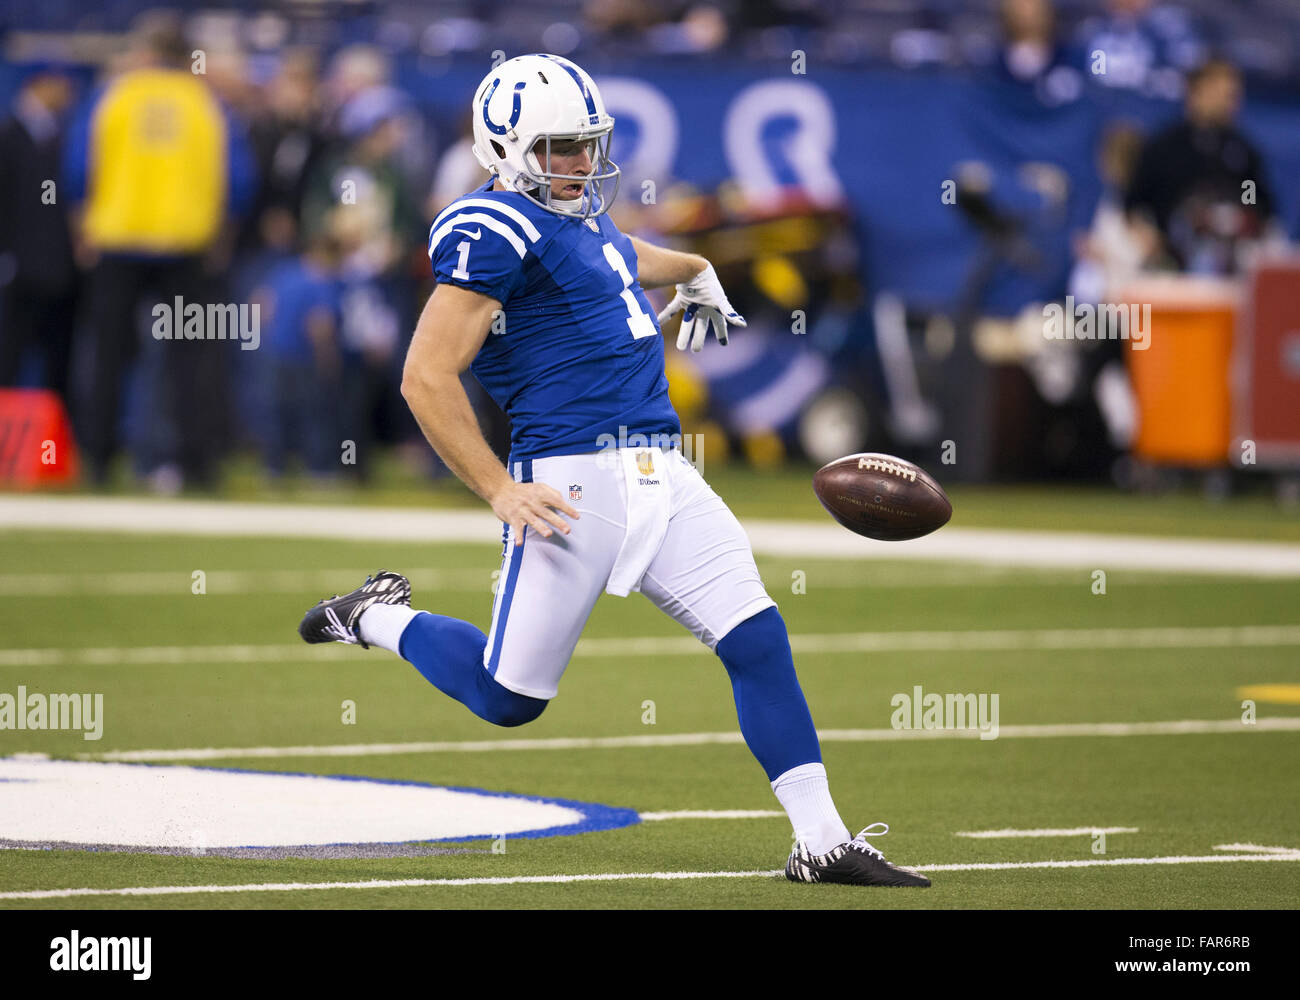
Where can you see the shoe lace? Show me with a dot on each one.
(337, 630)
(859, 843)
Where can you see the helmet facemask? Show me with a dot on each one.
(599, 188)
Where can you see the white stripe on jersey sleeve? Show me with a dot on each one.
(509, 211)
(475, 218)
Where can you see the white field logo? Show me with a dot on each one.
(946, 711)
(53, 711)
(1106, 321)
(102, 954)
(690, 445)
(180, 320)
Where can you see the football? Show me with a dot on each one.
(882, 497)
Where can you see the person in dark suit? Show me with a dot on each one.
(38, 278)
(1200, 183)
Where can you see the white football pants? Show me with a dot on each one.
(650, 523)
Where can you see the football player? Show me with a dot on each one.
(541, 297)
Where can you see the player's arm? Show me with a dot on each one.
(451, 330)
(659, 266)
(699, 293)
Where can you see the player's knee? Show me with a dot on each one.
(517, 709)
(503, 707)
(762, 631)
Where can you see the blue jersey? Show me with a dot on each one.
(576, 360)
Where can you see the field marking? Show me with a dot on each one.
(171, 890)
(1074, 831)
(1002, 866)
(1180, 727)
(160, 583)
(225, 582)
(954, 641)
(1254, 847)
(243, 582)
(175, 890)
(802, 539)
(1272, 694)
(651, 817)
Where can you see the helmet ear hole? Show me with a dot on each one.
(497, 148)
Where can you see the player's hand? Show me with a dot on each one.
(705, 305)
(534, 505)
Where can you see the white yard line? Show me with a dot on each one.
(182, 890)
(800, 539)
(171, 890)
(1181, 727)
(957, 641)
(1073, 831)
(651, 817)
(1203, 859)
(1259, 848)
(163, 583)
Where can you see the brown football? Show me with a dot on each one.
(882, 497)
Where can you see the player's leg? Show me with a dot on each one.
(548, 586)
(545, 592)
(448, 652)
(705, 578)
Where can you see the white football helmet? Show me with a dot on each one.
(544, 97)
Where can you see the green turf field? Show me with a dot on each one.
(1186, 794)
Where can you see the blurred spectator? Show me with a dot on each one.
(1112, 251)
(458, 171)
(1147, 47)
(288, 140)
(1200, 182)
(1032, 55)
(159, 164)
(361, 78)
(302, 368)
(374, 327)
(37, 276)
(366, 180)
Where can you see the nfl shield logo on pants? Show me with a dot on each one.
(645, 463)
(575, 492)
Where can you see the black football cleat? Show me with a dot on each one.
(854, 863)
(335, 619)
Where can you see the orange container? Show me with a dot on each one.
(36, 443)
(1182, 379)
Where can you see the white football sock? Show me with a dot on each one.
(805, 795)
(382, 625)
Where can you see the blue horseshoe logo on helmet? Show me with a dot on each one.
(514, 108)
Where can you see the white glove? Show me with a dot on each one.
(706, 304)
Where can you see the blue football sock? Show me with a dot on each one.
(774, 717)
(449, 653)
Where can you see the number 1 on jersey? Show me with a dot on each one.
(638, 321)
(460, 273)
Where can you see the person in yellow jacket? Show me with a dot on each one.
(157, 167)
